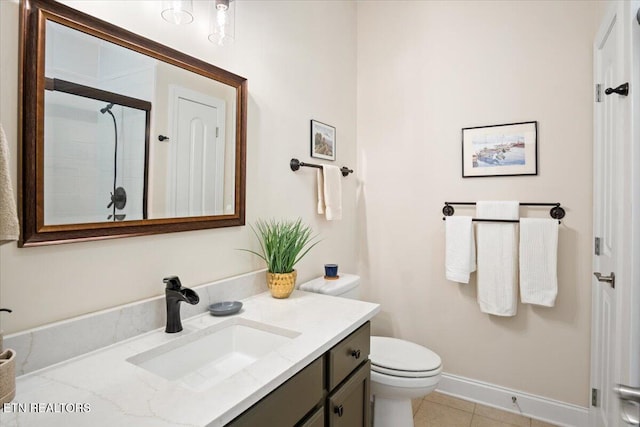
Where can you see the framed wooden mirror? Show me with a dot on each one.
(122, 136)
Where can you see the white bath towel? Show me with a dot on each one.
(9, 227)
(497, 258)
(460, 255)
(330, 192)
(539, 261)
(320, 181)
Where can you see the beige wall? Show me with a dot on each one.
(296, 70)
(426, 70)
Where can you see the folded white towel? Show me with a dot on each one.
(497, 266)
(330, 192)
(320, 180)
(9, 227)
(460, 256)
(538, 261)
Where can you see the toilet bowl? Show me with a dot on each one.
(400, 370)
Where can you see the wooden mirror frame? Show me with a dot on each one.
(33, 17)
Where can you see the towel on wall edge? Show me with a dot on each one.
(497, 258)
(9, 226)
(539, 261)
(460, 255)
(330, 192)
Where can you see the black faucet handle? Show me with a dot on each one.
(173, 283)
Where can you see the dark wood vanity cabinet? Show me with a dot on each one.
(348, 380)
(349, 404)
(289, 403)
(347, 355)
(331, 391)
(316, 419)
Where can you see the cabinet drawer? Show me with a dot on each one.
(289, 403)
(350, 405)
(347, 355)
(315, 420)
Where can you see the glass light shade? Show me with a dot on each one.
(177, 11)
(222, 17)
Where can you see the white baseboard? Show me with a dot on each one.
(529, 405)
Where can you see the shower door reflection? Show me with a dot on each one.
(95, 157)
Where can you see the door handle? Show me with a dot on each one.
(622, 90)
(630, 405)
(625, 392)
(611, 279)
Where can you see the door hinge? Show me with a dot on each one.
(217, 132)
(596, 246)
(598, 92)
(594, 397)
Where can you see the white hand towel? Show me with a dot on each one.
(497, 256)
(320, 177)
(460, 256)
(9, 227)
(330, 192)
(539, 261)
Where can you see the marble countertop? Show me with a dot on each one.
(102, 388)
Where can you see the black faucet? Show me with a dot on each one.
(175, 293)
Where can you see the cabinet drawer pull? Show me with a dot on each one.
(338, 410)
(355, 354)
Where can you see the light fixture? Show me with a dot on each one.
(177, 11)
(222, 21)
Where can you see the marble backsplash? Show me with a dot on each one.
(46, 345)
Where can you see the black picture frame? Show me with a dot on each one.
(323, 144)
(509, 149)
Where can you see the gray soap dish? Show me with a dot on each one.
(225, 308)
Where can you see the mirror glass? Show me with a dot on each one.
(107, 108)
(121, 135)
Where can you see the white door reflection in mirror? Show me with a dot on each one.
(196, 163)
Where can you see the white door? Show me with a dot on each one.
(197, 155)
(615, 315)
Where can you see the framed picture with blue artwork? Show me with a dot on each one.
(500, 150)
(323, 141)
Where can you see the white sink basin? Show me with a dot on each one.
(206, 357)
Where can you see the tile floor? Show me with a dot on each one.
(440, 410)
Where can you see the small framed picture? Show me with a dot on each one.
(500, 150)
(323, 141)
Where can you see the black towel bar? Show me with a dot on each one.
(295, 164)
(556, 212)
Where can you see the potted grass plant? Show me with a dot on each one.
(282, 244)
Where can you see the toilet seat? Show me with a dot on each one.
(400, 358)
(379, 380)
(405, 374)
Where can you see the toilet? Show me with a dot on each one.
(400, 370)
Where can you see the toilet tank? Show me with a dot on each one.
(345, 286)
